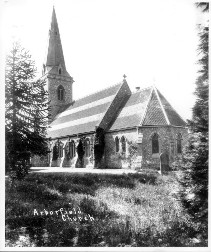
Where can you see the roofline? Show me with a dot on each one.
(175, 111)
(145, 126)
(109, 105)
(74, 135)
(128, 128)
(114, 130)
(99, 91)
(147, 105)
(134, 92)
(164, 112)
(155, 126)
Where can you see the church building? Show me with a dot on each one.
(111, 128)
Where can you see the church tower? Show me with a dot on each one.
(54, 70)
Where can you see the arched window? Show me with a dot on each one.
(72, 149)
(179, 143)
(60, 145)
(60, 71)
(117, 144)
(87, 148)
(60, 93)
(155, 144)
(123, 141)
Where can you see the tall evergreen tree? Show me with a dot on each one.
(26, 109)
(194, 176)
(200, 109)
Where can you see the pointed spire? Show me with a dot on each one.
(55, 55)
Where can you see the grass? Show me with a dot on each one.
(107, 210)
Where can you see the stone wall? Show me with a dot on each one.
(72, 162)
(143, 157)
(54, 81)
(167, 143)
(114, 159)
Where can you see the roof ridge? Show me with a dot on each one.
(164, 112)
(98, 91)
(134, 92)
(146, 108)
(173, 108)
(118, 90)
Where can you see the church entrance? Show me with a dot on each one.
(164, 162)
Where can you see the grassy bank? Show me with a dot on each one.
(85, 210)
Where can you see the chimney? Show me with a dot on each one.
(137, 89)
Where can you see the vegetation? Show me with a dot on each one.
(123, 210)
(194, 164)
(26, 111)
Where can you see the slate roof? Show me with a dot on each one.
(55, 55)
(147, 107)
(173, 117)
(133, 111)
(154, 112)
(84, 114)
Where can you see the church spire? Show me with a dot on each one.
(55, 55)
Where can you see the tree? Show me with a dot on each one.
(26, 110)
(194, 163)
(200, 109)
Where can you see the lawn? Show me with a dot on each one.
(97, 210)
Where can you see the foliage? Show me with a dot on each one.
(200, 109)
(204, 6)
(193, 174)
(26, 108)
(128, 210)
(193, 177)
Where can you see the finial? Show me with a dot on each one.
(124, 76)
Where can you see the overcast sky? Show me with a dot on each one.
(152, 42)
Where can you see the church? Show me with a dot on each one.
(110, 128)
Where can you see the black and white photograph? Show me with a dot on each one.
(105, 124)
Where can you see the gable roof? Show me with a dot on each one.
(155, 114)
(83, 115)
(173, 117)
(133, 111)
(147, 107)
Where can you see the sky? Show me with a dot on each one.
(152, 42)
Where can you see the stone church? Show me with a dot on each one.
(111, 128)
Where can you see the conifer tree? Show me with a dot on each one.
(194, 163)
(26, 110)
(200, 110)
